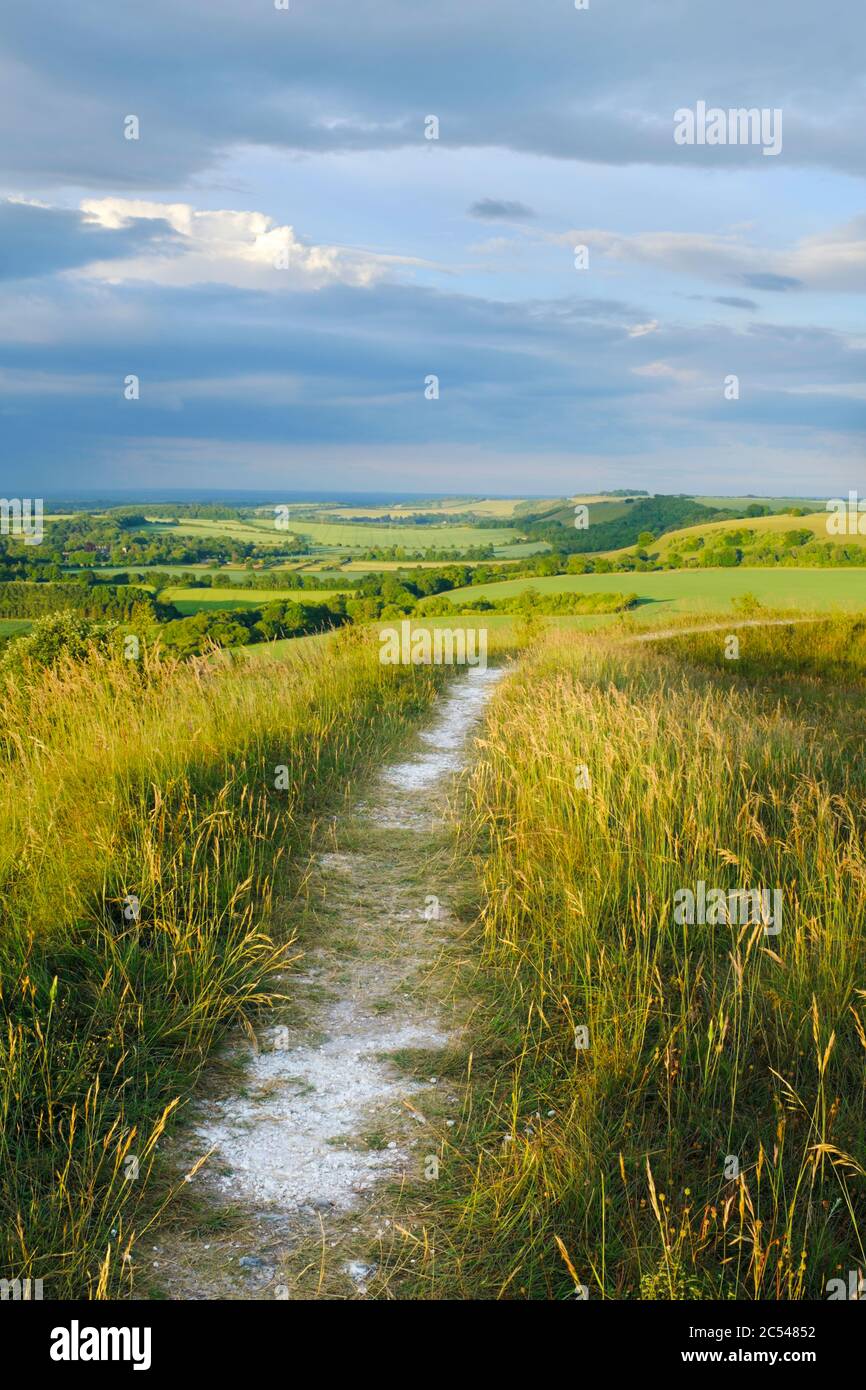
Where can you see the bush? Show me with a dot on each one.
(55, 636)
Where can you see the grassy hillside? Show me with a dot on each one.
(665, 1110)
(701, 591)
(762, 526)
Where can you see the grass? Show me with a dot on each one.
(499, 507)
(768, 526)
(699, 591)
(215, 600)
(776, 503)
(141, 835)
(710, 1140)
(346, 537)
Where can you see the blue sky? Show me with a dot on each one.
(282, 258)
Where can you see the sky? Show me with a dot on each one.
(282, 280)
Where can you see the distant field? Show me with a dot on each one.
(699, 591)
(347, 537)
(14, 627)
(489, 506)
(233, 530)
(412, 537)
(777, 503)
(197, 568)
(600, 509)
(520, 548)
(359, 567)
(216, 600)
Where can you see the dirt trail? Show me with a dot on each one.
(348, 1093)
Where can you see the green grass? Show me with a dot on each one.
(609, 1164)
(500, 507)
(217, 600)
(699, 591)
(778, 504)
(153, 781)
(768, 526)
(14, 627)
(346, 537)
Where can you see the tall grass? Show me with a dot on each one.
(711, 1139)
(144, 848)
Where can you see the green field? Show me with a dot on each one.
(14, 627)
(600, 509)
(500, 507)
(698, 591)
(215, 600)
(345, 537)
(778, 504)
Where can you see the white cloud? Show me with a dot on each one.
(247, 250)
(682, 375)
(833, 260)
(640, 330)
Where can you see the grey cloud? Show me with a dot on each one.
(36, 241)
(730, 301)
(733, 302)
(363, 74)
(764, 280)
(349, 364)
(500, 210)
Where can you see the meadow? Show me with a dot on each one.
(770, 526)
(499, 507)
(776, 504)
(656, 1109)
(142, 833)
(217, 600)
(661, 1110)
(668, 592)
(344, 536)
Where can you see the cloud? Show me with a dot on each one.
(640, 330)
(765, 280)
(350, 76)
(244, 249)
(833, 260)
(732, 301)
(497, 210)
(729, 301)
(36, 240)
(683, 375)
(346, 368)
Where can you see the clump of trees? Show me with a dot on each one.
(19, 599)
(240, 627)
